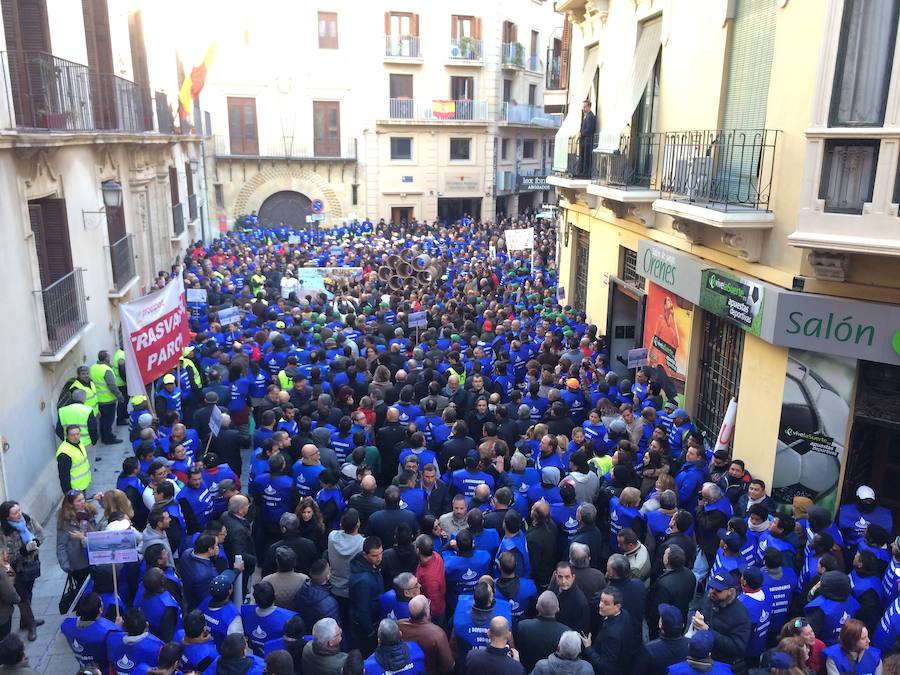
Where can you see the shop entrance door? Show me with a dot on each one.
(451, 209)
(401, 214)
(625, 325)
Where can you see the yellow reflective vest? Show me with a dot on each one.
(118, 356)
(98, 378)
(90, 394)
(80, 473)
(77, 413)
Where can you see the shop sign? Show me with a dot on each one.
(461, 183)
(864, 330)
(733, 298)
(670, 268)
(532, 183)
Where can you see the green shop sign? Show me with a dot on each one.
(733, 298)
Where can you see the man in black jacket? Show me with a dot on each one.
(386, 439)
(675, 586)
(238, 539)
(541, 539)
(573, 605)
(538, 637)
(726, 618)
(366, 501)
(303, 548)
(227, 445)
(634, 593)
(457, 445)
(498, 657)
(586, 139)
(680, 525)
(437, 492)
(383, 523)
(614, 652)
(671, 647)
(590, 536)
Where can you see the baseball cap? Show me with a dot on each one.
(145, 420)
(226, 484)
(681, 412)
(722, 454)
(550, 475)
(732, 539)
(701, 644)
(169, 379)
(670, 405)
(722, 581)
(780, 660)
(572, 383)
(473, 454)
(865, 492)
(618, 426)
(671, 617)
(752, 576)
(219, 587)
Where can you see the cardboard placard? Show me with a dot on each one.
(109, 547)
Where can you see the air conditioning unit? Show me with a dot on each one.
(455, 52)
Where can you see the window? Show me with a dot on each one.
(582, 269)
(534, 45)
(509, 31)
(532, 94)
(462, 88)
(401, 148)
(507, 90)
(465, 27)
(400, 24)
(328, 35)
(460, 148)
(864, 60)
(242, 126)
(327, 128)
(401, 30)
(528, 148)
(219, 195)
(721, 356)
(848, 175)
(401, 86)
(628, 268)
(504, 147)
(550, 146)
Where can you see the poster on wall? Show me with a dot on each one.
(733, 298)
(812, 434)
(667, 337)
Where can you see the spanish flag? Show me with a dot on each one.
(193, 84)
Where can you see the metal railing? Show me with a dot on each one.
(121, 258)
(512, 55)
(437, 110)
(192, 206)
(402, 46)
(553, 71)
(581, 160)
(723, 169)
(528, 114)
(465, 49)
(65, 310)
(178, 219)
(285, 148)
(633, 165)
(534, 63)
(47, 92)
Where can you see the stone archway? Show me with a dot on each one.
(277, 179)
(287, 207)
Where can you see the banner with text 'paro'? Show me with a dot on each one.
(156, 332)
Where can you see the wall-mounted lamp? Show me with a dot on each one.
(111, 191)
(195, 164)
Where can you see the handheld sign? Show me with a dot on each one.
(294, 239)
(110, 547)
(215, 421)
(230, 315)
(418, 319)
(196, 295)
(637, 358)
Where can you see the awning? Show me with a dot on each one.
(571, 124)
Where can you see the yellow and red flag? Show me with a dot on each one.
(193, 84)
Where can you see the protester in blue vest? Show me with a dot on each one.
(393, 655)
(514, 540)
(625, 512)
(195, 501)
(892, 573)
(564, 515)
(88, 633)
(235, 657)
(464, 567)
(221, 616)
(137, 649)
(394, 604)
(699, 659)
(520, 592)
(865, 580)
(832, 607)
(274, 494)
(162, 610)
(472, 616)
(853, 652)
(168, 397)
(853, 518)
(330, 500)
(759, 607)
(464, 481)
(781, 536)
(690, 479)
(263, 621)
(780, 584)
(412, 498)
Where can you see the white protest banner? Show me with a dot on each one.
(637, 358)
(293, 239)
(196, 295)
(519, 240)
(726, 433)
(215, 421)
(418, 319)
(111, 547)
(156, 331)
(230, 315)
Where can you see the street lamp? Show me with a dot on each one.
(112, 194)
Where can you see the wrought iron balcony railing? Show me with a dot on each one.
(402, 46)
(65, 310)
(633, 165)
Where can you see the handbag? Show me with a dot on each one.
(70, 592)
(29, 571)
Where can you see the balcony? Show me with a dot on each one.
(624, 177)
(512, 55)
(402, 110)
(65, 316)
(50, 93)
(534, 63)
(178, 220)
(121, 260)
(403, 48)
(286, 149)
(513, 113)
(720, 179)
(465, 51)
(555, 95)
(505, 181)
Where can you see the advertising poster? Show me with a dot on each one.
(733, 298)
(667, 337)
(812, 435)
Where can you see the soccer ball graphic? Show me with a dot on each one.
(811, 440)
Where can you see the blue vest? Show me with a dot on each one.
(462, 573)
(836, 613)
(155, 605)
(342, 445)
(218, 619)
(781, 591)
(522, 600)
(862, 585)
(470, 635)
(326, 495)
(888, 628)
(788, 550)
(415, 665)
(853, 523)
(195, 653)
(123, 482)
(564, 516)
(725, 564)
(136, 657)
(620, 517)
(275, 645)
(760, 612)
(414, 499)
(520, 482)
(173, 400)
(519, 547)
(684, 668)
(537, 406)
(465, 482)
(307, 477)
(200, 501)
(391, 608)
(257, 666)
(487, 540)
(259, 629)
(658, 524)
(867, 665)
(89, 643)
(891, 575)
(276, 494)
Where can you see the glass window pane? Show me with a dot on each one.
(848, 175)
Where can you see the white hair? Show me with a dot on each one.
(569, 645)
(324, 631)
(713, 490)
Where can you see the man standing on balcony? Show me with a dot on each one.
(585, 139)
(108, 396)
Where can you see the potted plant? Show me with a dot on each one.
(467, 48)
(520, 54)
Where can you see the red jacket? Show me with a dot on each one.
(434, 585)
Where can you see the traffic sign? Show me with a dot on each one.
(317, 206)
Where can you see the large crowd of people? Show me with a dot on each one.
(481, 494)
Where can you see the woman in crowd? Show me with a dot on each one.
(23, 536)
(75, 519)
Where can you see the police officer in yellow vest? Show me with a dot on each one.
(108, 396)
(83, 381)
(118, 366)
(72, 462)
(77, 412)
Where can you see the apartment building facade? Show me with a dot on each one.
(732, 224)
(99, 190)
(387, 110)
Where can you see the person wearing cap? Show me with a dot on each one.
(681, 427)
(853, 518)
(168, 397)
(725, 618)
(834, 604)
(221, 616)
(758, 604)
(700, 657)
(548, 488)
(573, 397)
(670, 647)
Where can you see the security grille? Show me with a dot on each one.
(629, 268)
(582, 257)
(720, 373)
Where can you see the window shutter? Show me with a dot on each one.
(35, 31)
(173, 185)
(387, 23)
(564, 55)
(115, 223)
(10, 22)
(414, 25)
(749, 65)
(189, 178)
(138, 48)
(453, 22)
(36, 216)
(477, 28)
(96, 32)
(54, 237)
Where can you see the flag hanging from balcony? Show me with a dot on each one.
(443, 110)
(193, 84)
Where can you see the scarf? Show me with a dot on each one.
(24, 532)
(762, 527)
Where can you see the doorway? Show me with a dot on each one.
(625, 324)
(401, 215)
(451, 209)
(285, 207)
